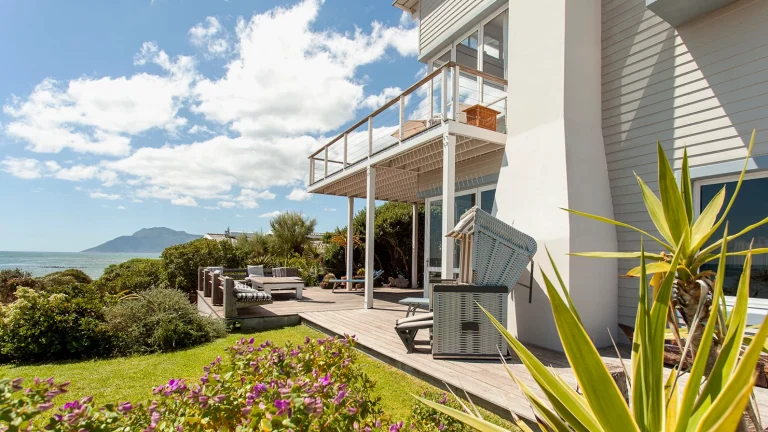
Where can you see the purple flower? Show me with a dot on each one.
(443, 400)
(259, 389)
(352, 410)
(282, 405)
(45, 406)
(250, 341)
(396, 427)
(125, 407)
(326, 380)
(339, 397)
(219, 398)
(71, 406)
(16, 384)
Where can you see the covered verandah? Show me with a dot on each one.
(437, 161)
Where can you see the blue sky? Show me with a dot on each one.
(195, 115)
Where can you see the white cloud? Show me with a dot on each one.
(270, 215)
(329, 209)
(299, 195)
(23, 168)
(99, 115)
(375, 101)
(102, 195)
(211, 168)
(209, 36)
(211, 208)
(200, 129)
(288, 79)
(121, 207)
(184, 201)
(227, 204)
(77, 173)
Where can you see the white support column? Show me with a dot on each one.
(350, 240)
(449, 193)
(370, 217)
(311, 170)
(325, 159)
(415, 248)
(480, 59)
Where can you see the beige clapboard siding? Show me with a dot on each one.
(703, 86)
(487, 164)
(437, 16)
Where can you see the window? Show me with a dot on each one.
(750, 206)
(494, 46)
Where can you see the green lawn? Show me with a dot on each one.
(132, 378)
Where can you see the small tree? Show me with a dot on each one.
(290, 233)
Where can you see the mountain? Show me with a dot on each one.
(147, 240)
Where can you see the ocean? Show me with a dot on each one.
(43, 263)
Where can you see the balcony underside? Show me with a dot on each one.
(406, 170)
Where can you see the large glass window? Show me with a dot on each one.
(487, 200)
(750, 206)
(495, 47)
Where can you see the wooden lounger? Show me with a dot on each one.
(269, 284)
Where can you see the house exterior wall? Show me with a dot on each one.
(555, 158)
(441, 21)
(703, 85)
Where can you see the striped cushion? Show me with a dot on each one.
(243, 294)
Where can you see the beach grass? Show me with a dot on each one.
(132, 378)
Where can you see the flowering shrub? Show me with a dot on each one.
(427, 419)
(315, 386)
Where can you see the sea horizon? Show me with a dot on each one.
(41, 263)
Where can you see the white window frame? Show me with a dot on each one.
(757, 308)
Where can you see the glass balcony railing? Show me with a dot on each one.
(449, 93)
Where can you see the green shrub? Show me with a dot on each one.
(11, 279)
(181, 262)
(427, 419)
(42, 326)
(156, 320)
(132, 276)
(65, 277)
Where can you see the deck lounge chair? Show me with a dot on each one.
(238, 295)
(407, 328)
(270, 284)
(336, 282)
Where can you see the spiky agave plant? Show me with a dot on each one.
(656, 403)
(673, 216)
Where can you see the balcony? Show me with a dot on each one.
(404, 136)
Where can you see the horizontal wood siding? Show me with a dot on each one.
(703, 86)
(475, 168)
(437, 16)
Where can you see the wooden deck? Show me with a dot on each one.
(316, 299)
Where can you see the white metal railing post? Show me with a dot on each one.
(402, 116)
(345, 151)
(455, 92)
(444, 93)
(325, 171)
(370, 136)
(480, 60)
(311, 170)
(430, 97)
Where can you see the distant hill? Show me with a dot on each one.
(147, 240)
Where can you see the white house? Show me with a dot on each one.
(529, 107)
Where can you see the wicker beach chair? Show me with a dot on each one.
(493, 255)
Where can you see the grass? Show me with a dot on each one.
(132, 378)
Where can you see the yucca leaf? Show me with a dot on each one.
(758, 251)
(657, 267)
(596, 382)
(621, 224)
(685, 186)
(639, 358)
(553, 421)
(467, 419)
(730, 348)
(691, 390)
(701, 230)
(672, 397)
(672, 202)
(563, 287)
(656, 211)
(567, 403)
(726, 411)
(655, 345)
(648, 255)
